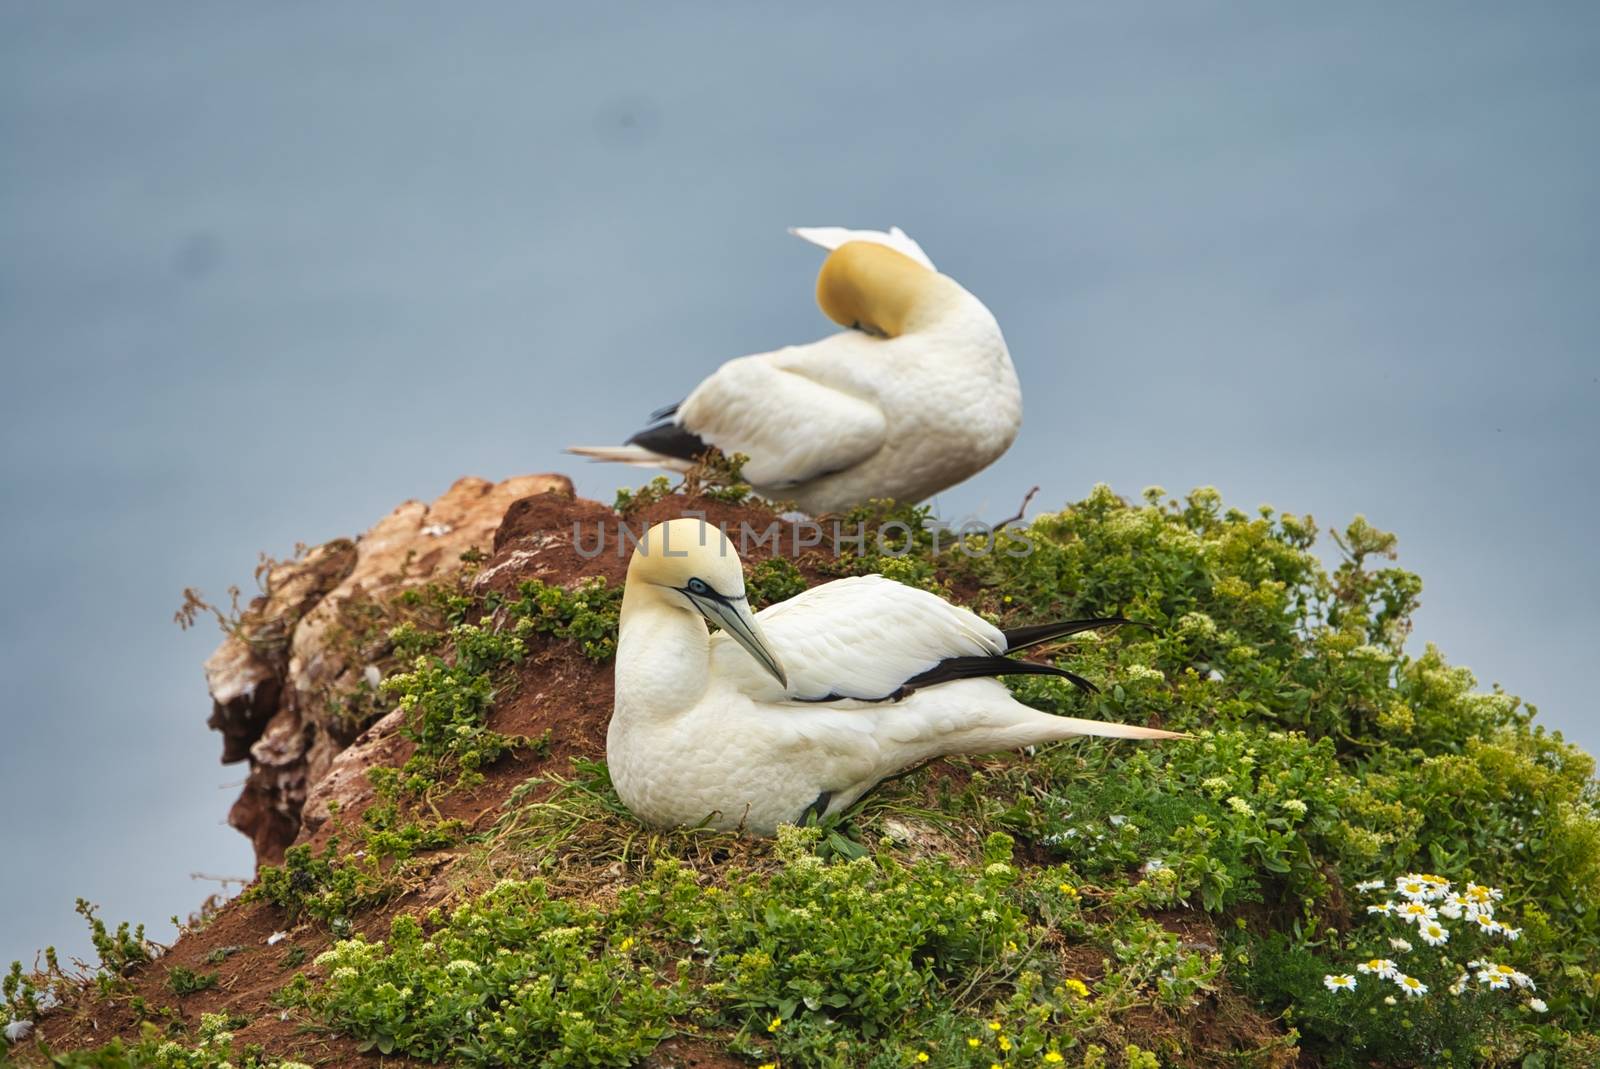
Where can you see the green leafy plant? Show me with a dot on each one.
(188, 982)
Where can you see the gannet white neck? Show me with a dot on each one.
(683, 573)
(871, 287)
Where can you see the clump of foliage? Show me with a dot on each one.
(630, 501)
(771, 581)
(717, 477)
(215, 1049)
(333, 885)
(185, 981)
(120, 952)
(327, 886)
(447, 700)
(586, 613)
(515, 978)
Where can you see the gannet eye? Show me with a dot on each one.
(698, 586)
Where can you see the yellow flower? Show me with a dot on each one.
(627, 944)
(767, 1065)
(1005, 1044)
(974, 1042)
(1068, 890)
(1053, 1057)
(922, 1055)
(1077, 987)
(994, 1026)
(777, 1023)
(1011, 948)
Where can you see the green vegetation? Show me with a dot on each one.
(1095, 904)
(771, 581)
(717, 477)
(806, 960)
(188, 982)
(587, 613)
(215, 1049)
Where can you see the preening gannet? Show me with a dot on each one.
(803, 707)
(916, 396)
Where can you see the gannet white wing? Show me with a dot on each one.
(862, 638)
(792, 426)
(831, 237)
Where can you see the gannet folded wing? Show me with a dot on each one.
(859, 638)
(791, 425)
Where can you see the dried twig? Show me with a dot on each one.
(1021, 511)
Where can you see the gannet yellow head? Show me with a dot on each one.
(871, 287)
(689, 565)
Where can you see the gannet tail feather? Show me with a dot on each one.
(636, 455)
(979, 667)
(1020, 638)
(670, 439)
(1073, 726)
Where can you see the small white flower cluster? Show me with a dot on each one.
(1422, 899)
(1500, 977)
(1382, 969)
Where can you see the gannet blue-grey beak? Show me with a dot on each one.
(733, 615)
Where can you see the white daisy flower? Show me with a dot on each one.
(1413, 987)
(1494, 979)
(1420, 912)
(1339, 982)
(1460, 985)
(1385, 908)
(1522, 980)
(1413, 887)
(1455, 907)
(1537, 1005)
(1382, 968)
(1401, 945)
(1367, 886)
(1509, 932)
(17, 1031)
(1433, 933)
(1486, 924)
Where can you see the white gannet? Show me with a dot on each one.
(803, 707)
(918, 395)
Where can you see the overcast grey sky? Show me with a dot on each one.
(267, 270)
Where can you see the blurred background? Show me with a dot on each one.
(268, 270)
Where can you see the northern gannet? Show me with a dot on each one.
(916, 396)
(803, 707)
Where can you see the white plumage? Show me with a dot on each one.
(804, 706)
(918, 396)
